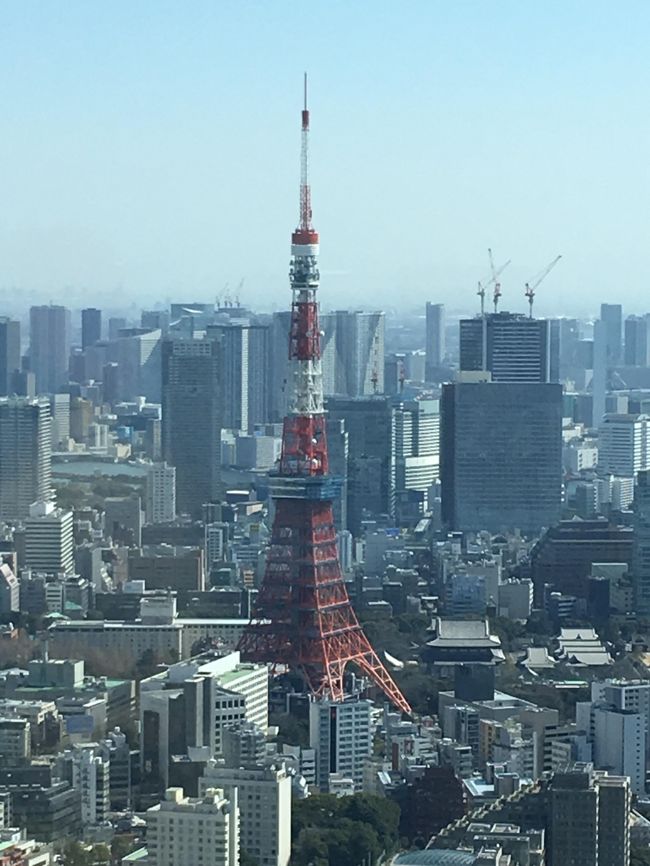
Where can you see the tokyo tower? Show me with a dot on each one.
(303, 617)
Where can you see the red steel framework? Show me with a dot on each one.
(303, 618)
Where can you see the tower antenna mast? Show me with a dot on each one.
(302, 617)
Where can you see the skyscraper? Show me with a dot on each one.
(434, 338)
(368, 422)
(359, 341)
(637, 341)
(599, 375)
(612, 317)
(25, 455)
(641, 543)
(246, 373)
(191, 428)
(416, 438)
(9, 355)
(91, 327)
(49, 347)
(510, 346)
(501, 455)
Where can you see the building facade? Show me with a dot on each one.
(25, 455)
(511, 347)
(192, 390)
(501, 456)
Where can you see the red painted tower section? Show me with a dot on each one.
(303, 617)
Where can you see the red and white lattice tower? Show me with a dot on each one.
(303, 617)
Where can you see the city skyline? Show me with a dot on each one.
(146, 163)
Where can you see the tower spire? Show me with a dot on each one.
(303, 617)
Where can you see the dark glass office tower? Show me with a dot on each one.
(91, 327)
(510, 346)
(501, 456)
(9, 355)
(191, 429)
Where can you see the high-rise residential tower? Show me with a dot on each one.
(191, 428)
(434, 338)
(25, 455)
(49, 347)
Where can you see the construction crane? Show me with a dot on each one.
(484, 284)
(530, 287)
(497, 284)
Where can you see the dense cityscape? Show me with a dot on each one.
(311, 584)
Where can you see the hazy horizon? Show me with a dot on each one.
(150, 151)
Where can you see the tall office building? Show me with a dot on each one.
(246, 373)
(352, 356)
(511, 347)
(264, 798)
(624, 445)
(341, 734)
(637, 341)
(183, 830)
(501, 456)
(369, 425)
(191, 428)
(281, 380)
(359, 360)
(641, 543)
(49, 347)
(91, 327)
(416, 445)
(9, 355)
(49, 539)
(138, 355)
(611, 315)
(601, 366)
(25, 455)
(589, 818)
(434, 338)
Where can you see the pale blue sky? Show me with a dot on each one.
(149, 150)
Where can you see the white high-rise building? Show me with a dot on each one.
(60, 408)
(616, 723)
(49, 539)
(193, 830)
(624, 445)
(160, 504)
(342, 737)
(264, 796)
(88, 770)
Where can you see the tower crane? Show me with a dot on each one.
(530, 287)
(484, 284)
